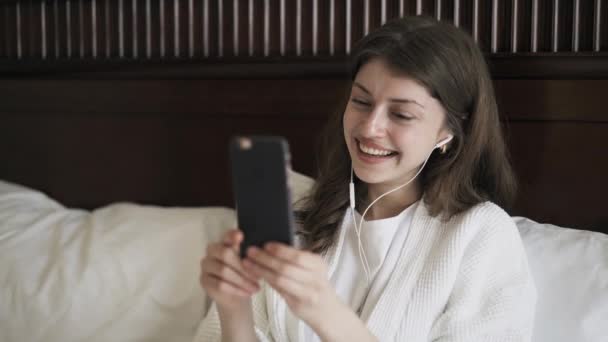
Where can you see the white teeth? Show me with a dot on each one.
(373, 151)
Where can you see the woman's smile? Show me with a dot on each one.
(371, 153)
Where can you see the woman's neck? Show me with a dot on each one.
(391, 204)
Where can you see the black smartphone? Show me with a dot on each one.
(261, 191)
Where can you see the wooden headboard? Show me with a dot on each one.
(135, 100)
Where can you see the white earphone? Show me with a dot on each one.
(444, 141)
(351, 188)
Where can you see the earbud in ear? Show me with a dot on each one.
(444, 141)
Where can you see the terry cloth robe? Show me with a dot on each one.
(466, 279)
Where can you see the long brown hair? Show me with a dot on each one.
(476, 168)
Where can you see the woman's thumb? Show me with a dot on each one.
(233, 239)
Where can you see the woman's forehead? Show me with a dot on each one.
(380, 80)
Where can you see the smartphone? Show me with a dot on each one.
(262, 196)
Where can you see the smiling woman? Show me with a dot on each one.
(415, 83)
(436, 258)
(110, 101)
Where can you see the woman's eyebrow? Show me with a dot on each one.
(360, 86)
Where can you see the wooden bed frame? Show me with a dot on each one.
(104, 101)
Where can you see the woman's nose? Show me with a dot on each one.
(374, 124)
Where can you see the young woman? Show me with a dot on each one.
(422, 251)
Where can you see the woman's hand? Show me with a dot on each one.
(223, 277)
(300, 277)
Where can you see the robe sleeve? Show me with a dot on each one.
(210, 330)
(494, 296)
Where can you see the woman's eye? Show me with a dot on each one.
(402, 116)
(360, 102)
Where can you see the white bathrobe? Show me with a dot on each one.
(466, 279)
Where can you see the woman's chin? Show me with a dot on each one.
(370, 177)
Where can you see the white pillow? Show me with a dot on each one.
(120, 273)
(570, 269)
(125, 272)
(299, 185)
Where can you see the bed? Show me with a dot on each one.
(115, 119)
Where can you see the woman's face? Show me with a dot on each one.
(391, 125)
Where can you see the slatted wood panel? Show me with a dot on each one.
(199, 29)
